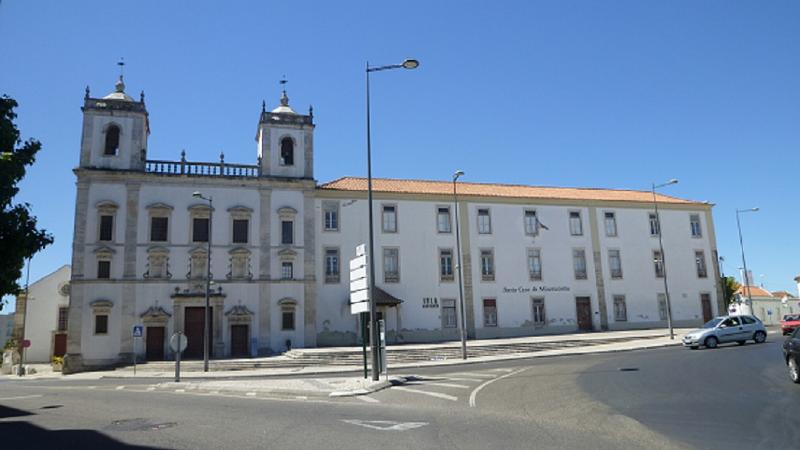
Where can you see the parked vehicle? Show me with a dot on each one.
(719, 330)
(789, 323)
(791, 355)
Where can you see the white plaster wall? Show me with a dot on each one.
(98, 139)
(299, 166)
(42, 314)
(106, 346)
(101, 192)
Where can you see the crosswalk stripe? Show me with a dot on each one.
(364, 398)
(436, 383)
(429, 393)
(119, 388)
(476, 374)
(501, 369)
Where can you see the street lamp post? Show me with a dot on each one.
(663, 259)
(21, 368)
(373, 328)
(744, 263)
(207, 318)
(462, 321)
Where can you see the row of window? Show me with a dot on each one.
(101, 321)
(530, 220)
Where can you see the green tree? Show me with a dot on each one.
(19, 237)
(729, 287)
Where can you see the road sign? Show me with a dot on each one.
(138, 331)
(358, 308)
(26, 343)
(178, 341)
(359, 296)
(359, 282)
(358, 261)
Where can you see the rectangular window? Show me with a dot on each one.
(489, 312)
(615, 263)
(287, 232)
(487, 265)
(241, 228)
(700, 263)
(63, 317)
(531, 223)
(331, 265)
(330, 217)
(391, 265)
(446, 265)
(694, 224)
(443, 220)
(658, 264)
(104, 269)
(106, 228)
(287, 320)
(575, 223)
(158, 229)
(662, 306)
(538, 312)
(655, 227)
(101, 324)
(535, 264)
(389, 219)
(484, 222)
(620, 310)
(579, 263)
(611, 224)
(448, 313)
(287, 270)
(200, 229)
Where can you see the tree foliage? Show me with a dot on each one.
(729, 287)
(19, 237)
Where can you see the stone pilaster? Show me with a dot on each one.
(264, 259)
(309, 259)
(597, 257)
(128, 303)
(309, 153)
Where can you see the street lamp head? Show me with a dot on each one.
(410, 64)
(672, 181)
(754, 209)
(459, 173)
(197, 194)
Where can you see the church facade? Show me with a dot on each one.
(535, 260)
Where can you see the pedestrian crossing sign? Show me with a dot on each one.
(138, 331)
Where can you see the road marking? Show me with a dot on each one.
(250, 394)
(180, 390)
(436, 383)
(301, 397)
(364, 398)
(20, 397)
(432, 394)
(119, 388)
(501, 369)
(151, 388)
(214, 392)
(463, 379)
(385, 425)
(477, 374)
(488, 382)
(91, 387)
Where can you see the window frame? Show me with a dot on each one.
(287, 239)
(446, 306)
(654, 221)
(488, 216)
(525, 215)
(330, 207)
(281, 159)
(542, 320)
(491, 274)
(63, 317)
(663, 309)
(695, 233)
(575, 214)
(116, 150)
(284, 265)
(617, 300)
(446, 277)
(575, 259)
(658, 263)
(534, 253)
(449, 216)
(396, 276)
(396, 219)
(106, 264)
(332, 278)
(612, 215)
(615, 275)
(492, 304)
(701, 268)
(291, 312)
(97, 323)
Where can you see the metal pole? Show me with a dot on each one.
(373, 329)
(744, 264)
(178, 359)
(21, 369)
(363, 317)
(462, 321)
(663, 265)
(724, 283)
(207, 321)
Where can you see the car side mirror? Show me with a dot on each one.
(723, 326)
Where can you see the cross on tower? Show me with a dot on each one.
(121, 65)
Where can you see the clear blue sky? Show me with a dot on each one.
(567, 93)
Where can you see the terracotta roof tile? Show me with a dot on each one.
(389, 185)
(781, 294)
(755, 291)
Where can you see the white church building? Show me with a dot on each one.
(536, 260)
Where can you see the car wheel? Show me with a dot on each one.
(740, 342)
(711, 342)
(760, 337)
(694, 347)
(794, 369)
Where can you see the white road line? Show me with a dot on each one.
(151, 388)
(463, 379)
(119, 388)
(501, 369)
(432, 394)
(476, 374)
(488, 382)
(436, 383)
(364, 398)
(214, 392)
(250, 394)
(20, 397)
(301, 397)
(91, 387)
(180, 390)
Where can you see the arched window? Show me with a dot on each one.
(287, 152)
(112, 140)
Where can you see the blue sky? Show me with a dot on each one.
(566, 93)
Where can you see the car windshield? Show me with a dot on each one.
(789, 317)
(712, 323)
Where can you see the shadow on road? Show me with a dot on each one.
(26, 435)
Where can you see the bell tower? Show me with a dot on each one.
(115, 131)
(286, 141)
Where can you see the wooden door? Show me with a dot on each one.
(240, 340)
(193, 326)
(59, 344)
(583, 307)
(705, 302)
(154, 346)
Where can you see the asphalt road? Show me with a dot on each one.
(731, 397)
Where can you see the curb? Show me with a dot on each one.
(394, 381)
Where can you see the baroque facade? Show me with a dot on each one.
(536, 260)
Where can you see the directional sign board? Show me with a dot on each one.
(138, 331)
(359, 282)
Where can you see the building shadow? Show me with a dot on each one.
(6, 412)
(27, 435)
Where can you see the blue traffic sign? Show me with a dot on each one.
(138, 331)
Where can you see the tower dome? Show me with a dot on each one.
(119, 92)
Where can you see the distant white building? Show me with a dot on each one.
(536, 260)
(45, 312)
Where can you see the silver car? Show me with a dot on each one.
(718, 330)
